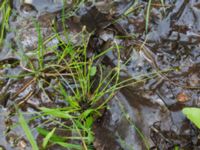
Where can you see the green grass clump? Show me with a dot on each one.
(80, 82)
(83, 83)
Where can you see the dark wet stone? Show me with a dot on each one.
(94, 19)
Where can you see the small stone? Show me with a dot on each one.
(182, 97)
(22, 144)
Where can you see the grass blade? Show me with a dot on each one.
(47, 138)
(53, 138)
(56, 113)
(70, 146)
(147, 16)
(27, 131)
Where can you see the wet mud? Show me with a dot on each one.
(164, 59)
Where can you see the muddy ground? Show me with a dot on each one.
(141, 116)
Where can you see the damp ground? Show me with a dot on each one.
(156, 46)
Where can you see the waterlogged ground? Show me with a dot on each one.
(144, 115)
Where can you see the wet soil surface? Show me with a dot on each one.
(146, 115)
